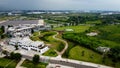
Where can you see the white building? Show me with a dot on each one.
(92, 34)
(24, 27)
(69, 30)
(103, 49)
(27, 44)
(19, 31)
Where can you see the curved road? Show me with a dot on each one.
(66, 44)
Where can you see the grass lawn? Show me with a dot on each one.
(48, 38)
(29, 64)
(93, 22)
(80, 28)
(35, 36)
(8, 63)
(108, 43)
(89, 55)
(50, 52)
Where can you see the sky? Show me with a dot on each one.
(59, 4)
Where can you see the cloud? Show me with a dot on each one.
(61, 4)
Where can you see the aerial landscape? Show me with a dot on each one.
(59, 34)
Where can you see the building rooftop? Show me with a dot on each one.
(18, 28)
(26, 41)
(6, 23)
(37, 43)
(92, 34)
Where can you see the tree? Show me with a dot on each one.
(60, 47)
(16, 47)
(36, 59)
(17, 56)
(3, 29)
(12, 55)
(32, 31)
(1, 32)
(115, 53)
(5, 52)
(52, 26)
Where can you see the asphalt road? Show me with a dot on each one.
(69, 64)
(60, 62)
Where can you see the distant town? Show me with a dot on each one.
(19, 12)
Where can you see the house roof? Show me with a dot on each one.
(37, 43)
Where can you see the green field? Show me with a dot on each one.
(79, 43)
(94, 22)
(80, 28)
(75, 51)
(89, 55)
(50, 52)
(108, 32)
(29, 64)
(7, 63)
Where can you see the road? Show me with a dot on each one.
(66, 44)
(61, 62)
(69, 64)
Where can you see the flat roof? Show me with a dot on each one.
(18, 22)
(26, 41)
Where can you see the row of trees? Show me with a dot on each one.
(107, 32)
(93, 43)
(18, 56)
(2, 30)
(12, 55)
(107, 19)
(115, 53)
(75, 20)
(88, 42)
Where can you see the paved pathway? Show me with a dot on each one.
(50, 65)
(20, 63)
(66, 44)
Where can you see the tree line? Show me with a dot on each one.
(105, 19)
(2, 30)
(92, 43)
